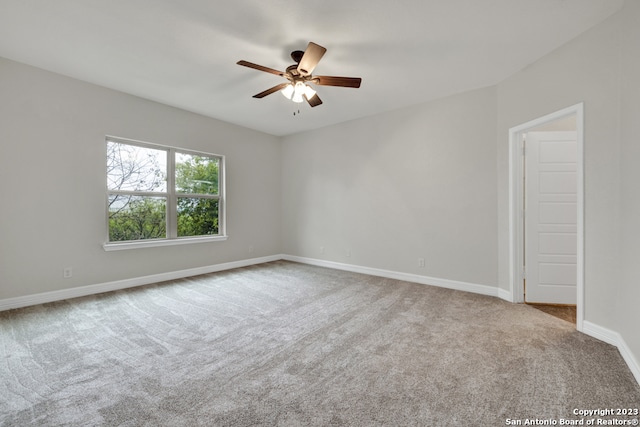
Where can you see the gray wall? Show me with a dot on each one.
(628, 293)
(52, 182)
(413, 183)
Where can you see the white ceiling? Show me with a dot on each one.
(184, 52)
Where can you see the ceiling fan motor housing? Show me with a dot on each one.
(296, 55)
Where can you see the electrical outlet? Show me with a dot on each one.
(67, 272)
(421, 262)
(250, 249)
(321, 249)
(348, 253)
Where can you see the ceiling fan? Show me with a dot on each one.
(299, 76)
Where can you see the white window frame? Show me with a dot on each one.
(172, 201)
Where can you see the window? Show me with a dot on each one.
(158, 195)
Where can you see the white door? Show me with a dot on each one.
(550, 224)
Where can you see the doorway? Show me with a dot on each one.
(546, 226)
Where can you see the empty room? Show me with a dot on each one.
(435, 222)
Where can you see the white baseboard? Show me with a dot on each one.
(408, 277)
(613, 338)
(505, 295)
(81, 291)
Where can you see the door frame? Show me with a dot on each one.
(516, 205)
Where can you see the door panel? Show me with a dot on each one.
(556, 213)
(558, 182)
(557, 274)
(557, 243)
(551, 217)
(557, 151)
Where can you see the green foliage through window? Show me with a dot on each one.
(136, 218)
(196, 174)
(197, 217)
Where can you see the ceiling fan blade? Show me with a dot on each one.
(338, 81)
(310, 59)
(271, 90)
(314, 101)
(260, 68)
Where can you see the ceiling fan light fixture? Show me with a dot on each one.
(309, 92)
(287, 92)
(298, 91)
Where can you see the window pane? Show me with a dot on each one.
(197, 174)
(136, 218)
(133, 168)
(197, 216)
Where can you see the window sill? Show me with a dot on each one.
(164, 242)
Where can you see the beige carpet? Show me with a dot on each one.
(285, 344)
